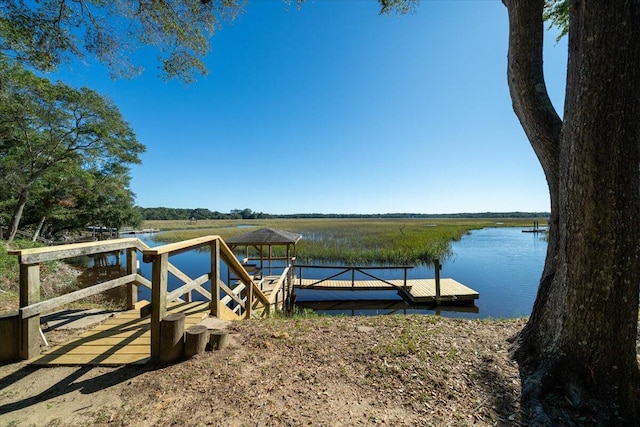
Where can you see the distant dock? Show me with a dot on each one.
(143, 231)
(536, 228)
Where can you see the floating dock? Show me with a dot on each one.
(415, 291)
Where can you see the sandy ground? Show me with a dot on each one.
(356, 371)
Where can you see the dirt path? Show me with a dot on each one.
(386, 370)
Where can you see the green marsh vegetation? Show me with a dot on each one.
(351, 241)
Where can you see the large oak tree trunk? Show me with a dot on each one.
(577, 354)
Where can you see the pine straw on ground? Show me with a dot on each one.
(347, 371)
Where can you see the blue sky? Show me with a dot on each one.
(332, 108)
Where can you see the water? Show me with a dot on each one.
(503, 264)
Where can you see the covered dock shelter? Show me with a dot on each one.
(263, 240)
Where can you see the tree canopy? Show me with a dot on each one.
(55, 139)
(45, 34)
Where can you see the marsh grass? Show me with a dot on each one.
(351, 241)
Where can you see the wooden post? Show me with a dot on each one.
(437, 267)
(30, 327)
(172, 337)
(159, 275)
(249, 301)
(196, 338)
(132, 288)
(215, 278)
(217, 340)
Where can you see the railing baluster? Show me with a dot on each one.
(159, 276)
(132, 267)
(215, 278)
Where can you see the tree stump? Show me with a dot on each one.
(217, 340)
(195, 340)
(172, 337)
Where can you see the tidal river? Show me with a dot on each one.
(502, 264)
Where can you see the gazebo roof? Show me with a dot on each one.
(265, 236)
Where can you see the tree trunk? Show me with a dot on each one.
(36, 233)
(17, 215)
(577, 354)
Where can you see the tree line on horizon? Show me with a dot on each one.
(164, 213)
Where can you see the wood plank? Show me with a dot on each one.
(450, 290)
(51, 253)
(122, 339)
(53, 303)
(112, 360)
(143, 340)
(348, 284)
(195, 283)
(140, 349)
(417, 290)
(179, 247)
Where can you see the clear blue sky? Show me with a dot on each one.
(332, 108)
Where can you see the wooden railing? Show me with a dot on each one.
(353, 270)
(245, 295)
(30, 305)
(283, 287)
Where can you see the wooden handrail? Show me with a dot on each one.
(48, 305)
(53, 253)
(30, 305)
(142, 247)
(179, 247)
(278, 285)
(236, 267)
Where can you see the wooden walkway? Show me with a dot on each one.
(418, 291)
(120, 340)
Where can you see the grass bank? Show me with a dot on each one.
(353, 241)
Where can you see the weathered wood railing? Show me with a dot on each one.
(244, 294)
(30, 305)
(353, 270)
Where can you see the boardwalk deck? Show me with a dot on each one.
(418, 291)
(120, 340)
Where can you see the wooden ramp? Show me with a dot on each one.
(121, 340)
(417, 291)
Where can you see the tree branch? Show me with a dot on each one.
(529, 95)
